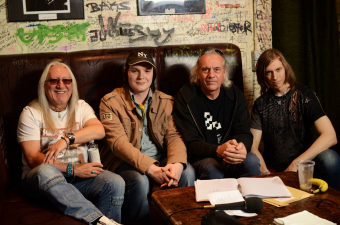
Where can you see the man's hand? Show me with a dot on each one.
(292, 167)
(156, 173)
(222, 148)
(173, 174)
(54, 150)
(234, 153)
(85, 170)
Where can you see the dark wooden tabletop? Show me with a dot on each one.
(325, 205)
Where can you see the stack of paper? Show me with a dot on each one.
(296, 196)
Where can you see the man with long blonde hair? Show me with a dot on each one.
(51, 132)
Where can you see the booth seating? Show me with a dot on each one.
(97, 73)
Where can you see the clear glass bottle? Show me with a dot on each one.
(93, 152)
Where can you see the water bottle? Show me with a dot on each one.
(93, 152)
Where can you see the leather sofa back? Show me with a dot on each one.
(176, 63)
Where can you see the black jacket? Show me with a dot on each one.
(186, 113)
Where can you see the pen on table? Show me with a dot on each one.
(239, 188)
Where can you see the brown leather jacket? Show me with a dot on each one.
(123, 131)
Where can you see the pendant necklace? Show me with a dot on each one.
(59, 111)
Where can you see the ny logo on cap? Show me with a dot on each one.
(141, 54)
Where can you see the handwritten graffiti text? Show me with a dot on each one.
(136, 31)
(95, 7)
(57, 33)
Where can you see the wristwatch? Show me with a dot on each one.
(71, 137)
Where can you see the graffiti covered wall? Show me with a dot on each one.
(262, 39)
(115, 24)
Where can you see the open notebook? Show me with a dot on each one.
(271, 187)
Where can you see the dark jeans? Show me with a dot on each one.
(327, 168)
(216, 168)
(138, 187)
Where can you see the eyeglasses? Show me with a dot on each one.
(209, 49)
(56, 81)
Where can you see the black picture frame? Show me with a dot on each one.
(162, 7)
(16, 12)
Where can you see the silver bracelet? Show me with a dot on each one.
(64, 138)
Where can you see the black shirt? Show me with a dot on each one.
(213, 114)
(286, 123)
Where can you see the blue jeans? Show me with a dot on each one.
(138, 191)
(327, 168)
(212, 168)
(86, 199)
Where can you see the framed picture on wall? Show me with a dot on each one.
(161, 7)
(36, 10)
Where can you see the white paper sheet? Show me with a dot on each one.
(229, 197)
(302, 218)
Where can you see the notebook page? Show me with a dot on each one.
(204, 187)
(269, 187)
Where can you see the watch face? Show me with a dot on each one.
(71, 137)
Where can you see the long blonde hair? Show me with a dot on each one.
(42, 102)
(193, 73)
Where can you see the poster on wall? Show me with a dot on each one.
(46, 6)
(37, 10)
(160, 7)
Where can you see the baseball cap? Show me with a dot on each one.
(138, 56)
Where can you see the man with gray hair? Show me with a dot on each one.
(212, 116)
(51, 133)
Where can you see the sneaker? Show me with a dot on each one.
(106, 221)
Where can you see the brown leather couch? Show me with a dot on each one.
(97, 72)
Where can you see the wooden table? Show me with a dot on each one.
(164, 202)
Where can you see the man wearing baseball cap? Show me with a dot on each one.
(143, 144)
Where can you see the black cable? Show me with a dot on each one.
(183, 210)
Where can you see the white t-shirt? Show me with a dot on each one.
(31, 127)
